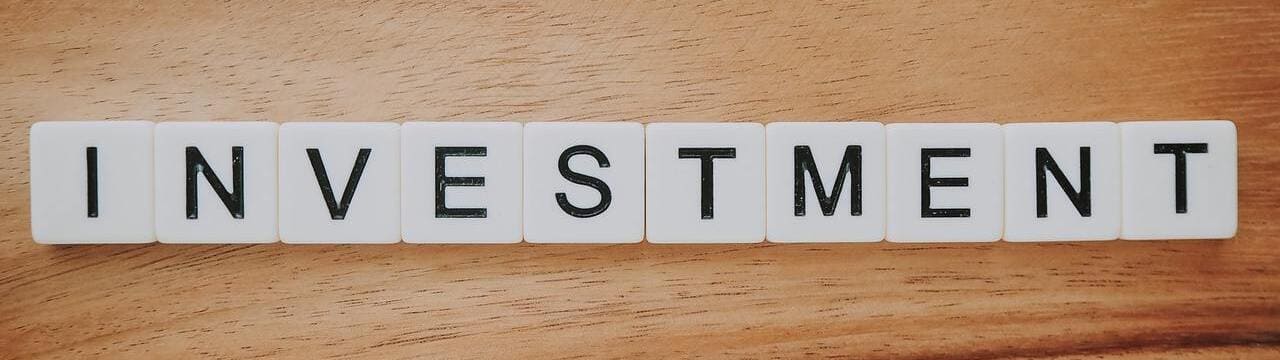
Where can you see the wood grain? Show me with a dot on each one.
(644, 61)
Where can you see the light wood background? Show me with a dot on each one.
(644, 61)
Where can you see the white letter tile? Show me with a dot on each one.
(212, 220)
(1152, 153)
(568, 167)
(705, 183)
(1036, 154)
(823, 150)
(91, 182)
(965, 187)
(319, 202)
(476, 166)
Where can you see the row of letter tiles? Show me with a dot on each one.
(105, 182)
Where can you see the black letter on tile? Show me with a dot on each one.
(606, 196)
(706, 155)
(850, 164)
(442, 181)
(234, 200)
(1082, 199)
(338, 210)
(926, 182)
(91, 169)
(1180, 152)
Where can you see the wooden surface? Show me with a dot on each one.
(646, 61)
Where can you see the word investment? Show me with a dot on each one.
(545, 182)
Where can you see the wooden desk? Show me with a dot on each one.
(646, 61)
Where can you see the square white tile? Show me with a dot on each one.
(239, 208)
(826, 181)
(91, 182)
(340, 183)
(462, 182)
(1179, 180)
(583, 182)
(1062, 181)
(946, 182)
(705, 182)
